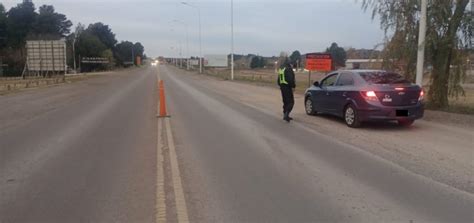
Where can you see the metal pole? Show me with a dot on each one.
(232, 39)
(187, 41)
(180, 55)
(74, 52)
(309, 79)
(421, 44)
(80, 62)
(200, 43)
(200, 39)
(187, 47)
(53, 58)
(176, 59)
(133, 57)
(65, 59)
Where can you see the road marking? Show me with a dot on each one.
(180, 201)
(160, 179)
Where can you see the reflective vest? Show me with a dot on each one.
(281, 76)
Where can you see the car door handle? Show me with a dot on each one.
(327, 93)
(344, 94)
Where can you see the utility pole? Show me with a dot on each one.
(200, 40)
(74, 52)
(180, 55)
(187, 47)
(200, 43)
(232, 39)
(133, 57)
(187, 41)
(421, 44)
(76, 35)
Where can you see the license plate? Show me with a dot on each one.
(387, 100)
(402, 112)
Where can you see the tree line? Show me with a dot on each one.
(24, 22)
(448, 42)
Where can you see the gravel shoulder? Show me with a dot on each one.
(439, 147)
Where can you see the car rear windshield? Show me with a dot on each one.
(380, 77)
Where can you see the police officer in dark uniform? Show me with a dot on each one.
(286, 81)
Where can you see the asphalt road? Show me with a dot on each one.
(87, 152)
(241, 164)
(80, 153)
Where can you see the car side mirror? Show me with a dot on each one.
(316, 84)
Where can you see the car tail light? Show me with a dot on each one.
(422, 95)
(369, 96)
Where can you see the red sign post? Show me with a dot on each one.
(318, 62)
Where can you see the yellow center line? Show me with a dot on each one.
(160, 179)
(160, 216)
(180, 200)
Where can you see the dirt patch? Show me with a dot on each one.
(449, 118)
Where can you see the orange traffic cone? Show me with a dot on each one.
(163, 112)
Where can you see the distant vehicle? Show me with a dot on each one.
(154, 63)
(366, 95)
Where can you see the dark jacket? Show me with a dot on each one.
(289, 77)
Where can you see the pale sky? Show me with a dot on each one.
(263, 27)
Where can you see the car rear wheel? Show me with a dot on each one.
(309, 107)
(405, 123)
(351, 117)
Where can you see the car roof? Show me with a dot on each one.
(360, 70)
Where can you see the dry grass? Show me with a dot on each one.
(463, 104)
(265, 77)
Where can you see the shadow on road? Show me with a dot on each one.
(372, 126)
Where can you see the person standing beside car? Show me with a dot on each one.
(286, 81)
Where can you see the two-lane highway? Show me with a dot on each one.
(89, 152)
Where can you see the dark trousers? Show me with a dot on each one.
(288, 99)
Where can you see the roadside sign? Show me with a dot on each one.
(319, 62)
(43, 56)
(215, 60)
